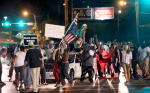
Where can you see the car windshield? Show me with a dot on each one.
(71, 58)
(78, 58)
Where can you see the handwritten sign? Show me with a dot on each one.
(55, 31)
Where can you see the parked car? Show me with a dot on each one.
(75, 65)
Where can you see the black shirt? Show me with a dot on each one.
(134, 52)
(33, 56)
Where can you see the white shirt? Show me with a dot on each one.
(91, 53)
(78, 43)
(20, 59)
(126, 57)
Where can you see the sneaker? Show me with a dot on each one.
(127, 82)
(63, 86)
(20, 87)
(144, 77)
(108, 76)
(27, 87)
(91, 83)
(116, 75)
(103, 75)
(80, 82)
(57, 85)
(72, 85)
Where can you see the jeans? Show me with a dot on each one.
(116, 65)
(85, 70)
(27, 78)
(109, 65)
(64, 73)
(43, 75)
(11, 70)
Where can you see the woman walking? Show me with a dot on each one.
(126, 62)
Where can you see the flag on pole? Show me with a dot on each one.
(72, 35)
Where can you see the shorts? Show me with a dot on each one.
(144, 65)
(124, 64)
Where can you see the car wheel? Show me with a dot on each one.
(72, 74)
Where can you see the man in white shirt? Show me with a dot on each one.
(143, 56)
(19, 63)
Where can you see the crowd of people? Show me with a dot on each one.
(28, 62)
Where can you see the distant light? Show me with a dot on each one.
(119, 11)
(29, 23)
(88, 6)
(100, 43)
(5, 17)
(125, 3)
(10, 24)
(6, 24)
(21, 24)
(64, 4)
(25, 13)
(40, 31)
(2, 24)
(121, 2)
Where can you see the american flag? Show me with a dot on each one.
(72, 35)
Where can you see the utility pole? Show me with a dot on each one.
(66, 12)
(137, 18)
(58, 6)
(72, 10)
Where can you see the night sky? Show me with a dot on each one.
(127, 17)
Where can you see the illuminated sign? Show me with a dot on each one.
(84, 13)
(103, 13)
(30, 38)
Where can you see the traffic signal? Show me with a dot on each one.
(21, 23)
(6, 24)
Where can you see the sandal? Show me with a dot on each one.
(45, 84)
(2, 84)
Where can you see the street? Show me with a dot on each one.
(101, 85)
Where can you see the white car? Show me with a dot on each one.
(75, 68)
(49, 70)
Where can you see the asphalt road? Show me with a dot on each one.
(101, 85)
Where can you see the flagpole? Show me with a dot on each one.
(71, 24)
(69, 27)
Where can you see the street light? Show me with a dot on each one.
(123, 3)
(35, 24)
(63, 4)
(25, 13)
(119, 12)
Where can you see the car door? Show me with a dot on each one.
(78, 69)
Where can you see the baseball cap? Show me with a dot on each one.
(30, 44)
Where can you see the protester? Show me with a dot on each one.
(27, 78)
(19, 63)
(3, 53)
(11, 53)
(134, 49)
(104, 53)
(32, 57)
(143, 56)
(56, 58)
(110, 62)
(126, 62)
(42, 70)
(65, 65)
(79, 42)
(87, 65)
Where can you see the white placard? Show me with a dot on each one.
(55, 31)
